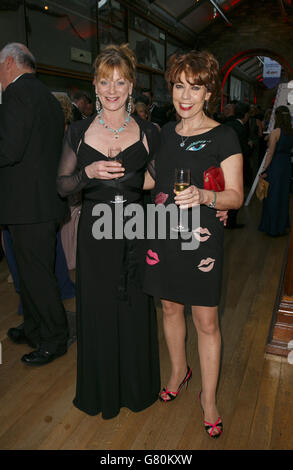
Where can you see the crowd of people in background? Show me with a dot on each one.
(251, 124)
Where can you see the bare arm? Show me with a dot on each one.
(230, 198)
(259, 126)
(273, 139)
(149, 182)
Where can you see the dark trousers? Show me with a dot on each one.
(45, 321)
(232, 218)
(66, 286)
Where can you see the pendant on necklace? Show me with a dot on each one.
(116, 132)
(182, 144)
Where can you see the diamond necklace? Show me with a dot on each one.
(182, 144)
(115, 131)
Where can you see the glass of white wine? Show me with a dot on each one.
(115, 155)
(181, 182)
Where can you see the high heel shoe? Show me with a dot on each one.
(209, 427)
(166, 395)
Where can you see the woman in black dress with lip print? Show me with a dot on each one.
(175, 275)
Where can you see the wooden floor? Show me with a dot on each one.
(255, 395)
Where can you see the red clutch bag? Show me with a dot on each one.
(213, 179)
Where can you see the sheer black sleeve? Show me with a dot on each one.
(153, 139)
(151, 169)
(70, 178)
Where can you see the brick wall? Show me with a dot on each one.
(255, 24)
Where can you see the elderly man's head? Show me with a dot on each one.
(15, 59)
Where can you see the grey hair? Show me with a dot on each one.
(21, 55)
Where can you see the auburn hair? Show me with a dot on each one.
(200, 68)
(114, 56)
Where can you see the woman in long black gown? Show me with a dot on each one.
(277, 171)
(118, 362)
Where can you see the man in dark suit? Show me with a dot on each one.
(31, 133)
(238, 122)
(229, 112)
(158, 114)
(79, 106)
(241, 117)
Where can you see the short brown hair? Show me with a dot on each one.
(114, 56)
(200, 68)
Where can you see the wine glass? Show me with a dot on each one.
(115, 155)
(181, 182)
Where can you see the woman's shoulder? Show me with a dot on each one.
(275, 134)
(76, 130)
(82, 124)
(169, 126)
(145, 125)
(151, 131)
(223, 130)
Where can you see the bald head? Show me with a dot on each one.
(15, 59)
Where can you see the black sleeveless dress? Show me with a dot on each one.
(118, 360)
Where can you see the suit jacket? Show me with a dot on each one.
(240, 130)
(31, 135)
(77, 116)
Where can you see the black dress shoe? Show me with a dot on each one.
(40, 357)
(17, 335)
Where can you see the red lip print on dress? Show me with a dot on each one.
(152, 258)
(206, 265)
(161, 198)
(201, 234)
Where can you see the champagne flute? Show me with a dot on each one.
(115, 155)
(181, 182)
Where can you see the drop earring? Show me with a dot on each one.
(129, 108)
(206, 106)
(98, 104)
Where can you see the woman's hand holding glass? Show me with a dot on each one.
(193, 196)
(181, 181)
(105, 170)
(115, 155)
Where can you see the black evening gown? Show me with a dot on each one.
(118, 360)
(275, 208)
(189, 276)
